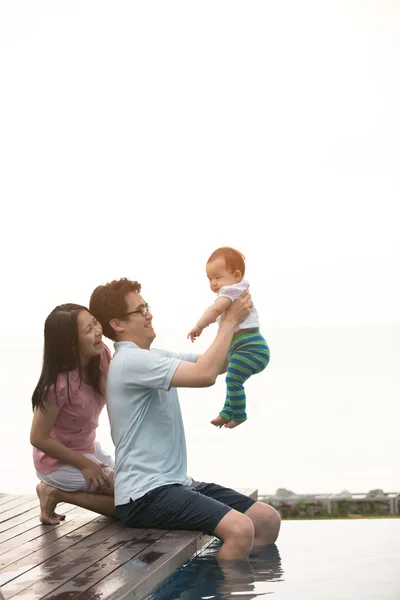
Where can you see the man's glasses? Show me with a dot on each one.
(143, 310)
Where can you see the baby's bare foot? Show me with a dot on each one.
(232, 423)
(48, 501)
(219, 421)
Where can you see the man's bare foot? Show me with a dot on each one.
(232, 423)
(219, 421)
(48, 501)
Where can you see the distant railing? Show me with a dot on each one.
(330, 501)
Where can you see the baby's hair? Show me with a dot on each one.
(233, 258)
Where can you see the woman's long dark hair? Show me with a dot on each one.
(61, 353)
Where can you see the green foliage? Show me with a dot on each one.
(340, 509)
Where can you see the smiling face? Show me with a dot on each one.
(218, 275)
(89, 336)
(133, 326)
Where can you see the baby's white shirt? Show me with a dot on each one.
(232, 292)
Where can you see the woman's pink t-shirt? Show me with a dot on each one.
(77, 421)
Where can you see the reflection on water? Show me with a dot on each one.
(333, 559)
(205, 577)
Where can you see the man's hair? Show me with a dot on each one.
(108, 302)
(234, 259)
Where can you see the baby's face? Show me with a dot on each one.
(218, 275)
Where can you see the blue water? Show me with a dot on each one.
(312, 560)
(205, 577)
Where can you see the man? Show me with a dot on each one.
(152, 488)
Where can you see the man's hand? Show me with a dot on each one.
(194, 333)
(240, 308)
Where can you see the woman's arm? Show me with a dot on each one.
(42, 424)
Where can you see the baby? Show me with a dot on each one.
(249, 352)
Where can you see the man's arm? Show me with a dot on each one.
(224, 367)
(210, 364)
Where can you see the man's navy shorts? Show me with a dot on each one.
(198, 507)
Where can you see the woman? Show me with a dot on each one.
(67, 402)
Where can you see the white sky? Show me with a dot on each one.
(138, 137)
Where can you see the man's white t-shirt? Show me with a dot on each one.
(146, 420)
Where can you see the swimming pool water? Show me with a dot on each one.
(312, 560)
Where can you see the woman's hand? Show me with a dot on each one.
(94, 475)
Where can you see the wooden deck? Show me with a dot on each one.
(87, 556)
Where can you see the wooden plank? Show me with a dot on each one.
(69, 550)
(16, 511)
(142, 574)
(19, 517)
(88, 556)
(15, 502)
(250, 492)
(8, 498)
(48, 544)
(30, 523)
(70, 578)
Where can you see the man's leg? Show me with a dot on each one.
(237, 534)
(266, 520)
(178, 506)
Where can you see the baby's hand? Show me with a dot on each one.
(194, 333)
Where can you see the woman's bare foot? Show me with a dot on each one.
(219, 421)
(61, 517)
(232, 423)
(48, 501)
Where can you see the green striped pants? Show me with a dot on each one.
(248, 355)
